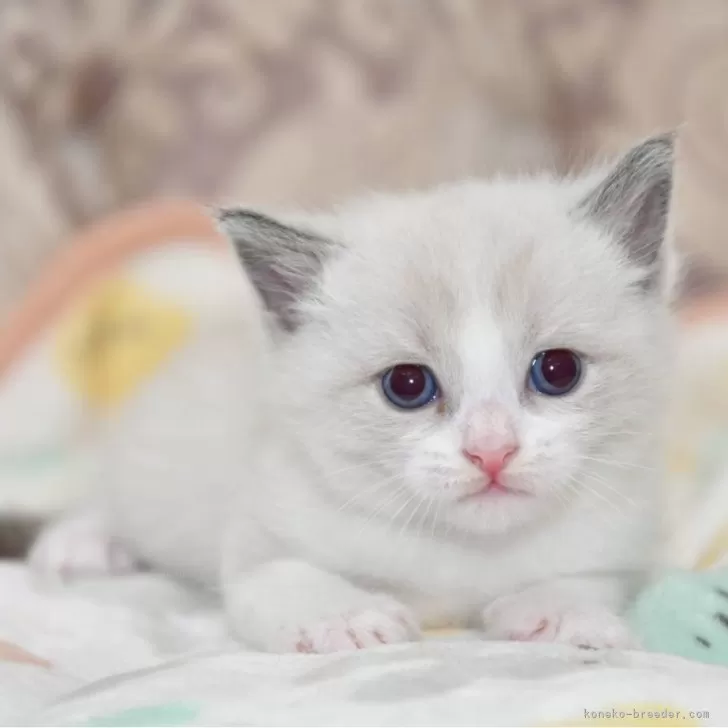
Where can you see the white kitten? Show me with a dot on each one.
(457, 418)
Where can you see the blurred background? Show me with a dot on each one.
(106, 106)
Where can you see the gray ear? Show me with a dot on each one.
(632, 202)
(282, 262)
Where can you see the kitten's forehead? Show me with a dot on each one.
(486, 357)
(509, 249)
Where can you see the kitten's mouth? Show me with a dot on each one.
(494, 489)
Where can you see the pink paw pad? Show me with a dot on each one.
(588, 627)
(356, 631)
(530, 635)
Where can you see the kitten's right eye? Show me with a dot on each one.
(409, 386)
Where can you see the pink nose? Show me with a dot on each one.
(492, 462)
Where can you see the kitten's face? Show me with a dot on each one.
(470, 284)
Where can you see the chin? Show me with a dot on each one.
(498, 513)
(522, 502)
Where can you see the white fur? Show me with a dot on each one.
(332, 520)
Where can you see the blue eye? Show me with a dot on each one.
(409, 386)
(555, 372)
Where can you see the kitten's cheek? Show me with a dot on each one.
(450, 491)
(415, 479)
(434, 488)
(553, 477)
(432, 485)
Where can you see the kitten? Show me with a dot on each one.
(452, 417)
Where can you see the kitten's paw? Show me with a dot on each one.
(79, 546)
(382, 622)
(293, 606)
(527, 620)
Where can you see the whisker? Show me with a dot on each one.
(435, 518)
(582, 484)
(402, 490)
(369, 490)
(618, 463)
(611, 487)
(421, 525)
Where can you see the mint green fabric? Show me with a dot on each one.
(685, 614)
(169, 714)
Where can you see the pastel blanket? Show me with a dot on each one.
(142, 651)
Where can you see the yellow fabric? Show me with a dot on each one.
(117, 337)
(716, 551)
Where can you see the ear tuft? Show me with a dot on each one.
(283, 262)
(633, 201)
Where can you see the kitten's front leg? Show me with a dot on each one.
(581, 612)
(292, 606)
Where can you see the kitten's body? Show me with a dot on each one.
(333, 520)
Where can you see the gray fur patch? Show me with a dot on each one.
(282, 262)
(633, 203)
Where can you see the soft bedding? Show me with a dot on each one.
(142, 650)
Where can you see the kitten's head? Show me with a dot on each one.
(483, 351)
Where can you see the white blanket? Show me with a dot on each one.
(142, 650)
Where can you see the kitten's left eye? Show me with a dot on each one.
(555, 371)
(409, 386)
